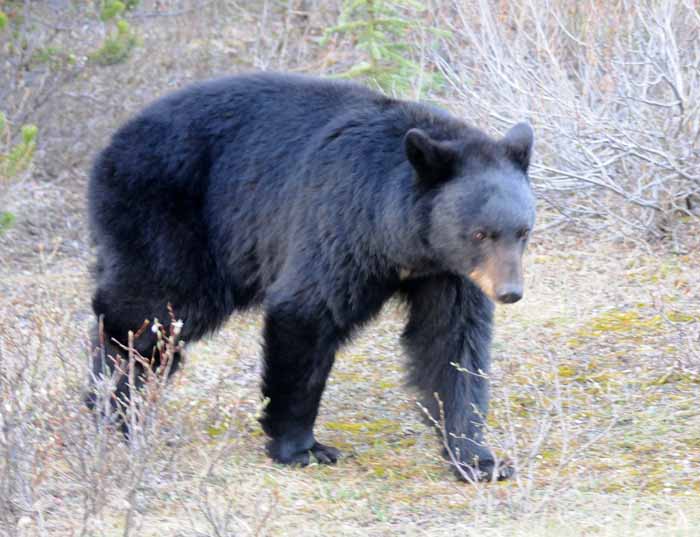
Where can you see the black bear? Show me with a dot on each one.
(318, 200)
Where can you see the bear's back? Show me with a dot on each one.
(172, 144)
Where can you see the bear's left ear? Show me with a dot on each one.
(518, 142)
(433, 160)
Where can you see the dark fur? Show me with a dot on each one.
(308, 197)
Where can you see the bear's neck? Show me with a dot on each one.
(403, 233)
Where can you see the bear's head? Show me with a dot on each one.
(482, 208)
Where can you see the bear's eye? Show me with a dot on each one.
(523, 233)
(479, 236)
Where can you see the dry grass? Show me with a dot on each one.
(583, 394)
(595, 378)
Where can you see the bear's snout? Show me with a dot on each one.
(509, 295)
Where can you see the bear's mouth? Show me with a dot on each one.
(484, 282)
(507, 293)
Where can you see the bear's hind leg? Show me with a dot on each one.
(110, 382)
(113, 376)
(299, 354)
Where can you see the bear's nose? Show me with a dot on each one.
(509, 297)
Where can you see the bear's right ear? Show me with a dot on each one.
(433, 160)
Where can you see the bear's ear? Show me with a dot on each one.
(518, 142)
(433, 160)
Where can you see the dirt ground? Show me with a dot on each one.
(595, 380)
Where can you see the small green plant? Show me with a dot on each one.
(3, 20)
(380, 29)
(111, 9)
(14, 159)
(53, 57)
(117, 47)
(121, 41)
(6, 221)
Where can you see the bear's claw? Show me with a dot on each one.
(322, 453)
(485, 472)
(325, 454)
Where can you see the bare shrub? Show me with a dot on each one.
(613, 89)
(67, 471)
(38, 50)
(24, 398)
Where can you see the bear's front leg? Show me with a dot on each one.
(300, 349)
(449, 324)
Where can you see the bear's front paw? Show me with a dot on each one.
(325, 454)
(485, 471)
(285, 452)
